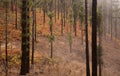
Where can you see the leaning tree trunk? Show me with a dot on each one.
(25, 65)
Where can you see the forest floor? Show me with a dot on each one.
(63, 63)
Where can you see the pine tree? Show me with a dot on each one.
(25, 23)
(75, 13)
(16, 10)
(50, 15)
(87, 42)
(58, 9)
(94, 38)
(33, 30)
(6, 37)
(100, 31)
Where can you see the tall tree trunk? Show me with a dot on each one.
(100, 51)
(82, 34)
(58, 9)
(12, 6)
(62, 28)
(44, 17)
(16, 14)
(61, 25)
(94, 38)
(111, 19)
(87, 42)
(25, 65)
(116, 28)
(35, 22)
(111, 27)
(33, 32)
(0, 48)
(55, 9)
(64, 13)
(6, 37)
(75, 26)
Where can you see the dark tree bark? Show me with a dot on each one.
(94, 38)
(35, 26)
(74, 26)
(51, 26)
(62, 21)
(12, 6)
(58, 9)
(100, 51)
(33, 31)
(82, 34)
(0, 47)
(64, 13)
(16, 9)
(111, 19)
(116, 28)
(6, 37)
(25, 65)
(44, 16)
(35, 22)
(87, 42)
(75, 10)
(55, 10)
(61, 25)
(111, 27)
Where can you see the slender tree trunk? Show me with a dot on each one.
(116, 28)
(44, 17)
(51, 33)
(16, 14)
(25, 64)
(62, 22)
(111, 27)
(0, 48)
(33, 33)
(12, 6)
(55, 10)
(6, 37)
(75, 26)
(62, 27)
(58, 9)
(64, 13)
(51, 28)
(94, 38)
(35, 21)
(100, 51)
(71, 38)
(111, 19)
(87, 42)
(82, 34)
